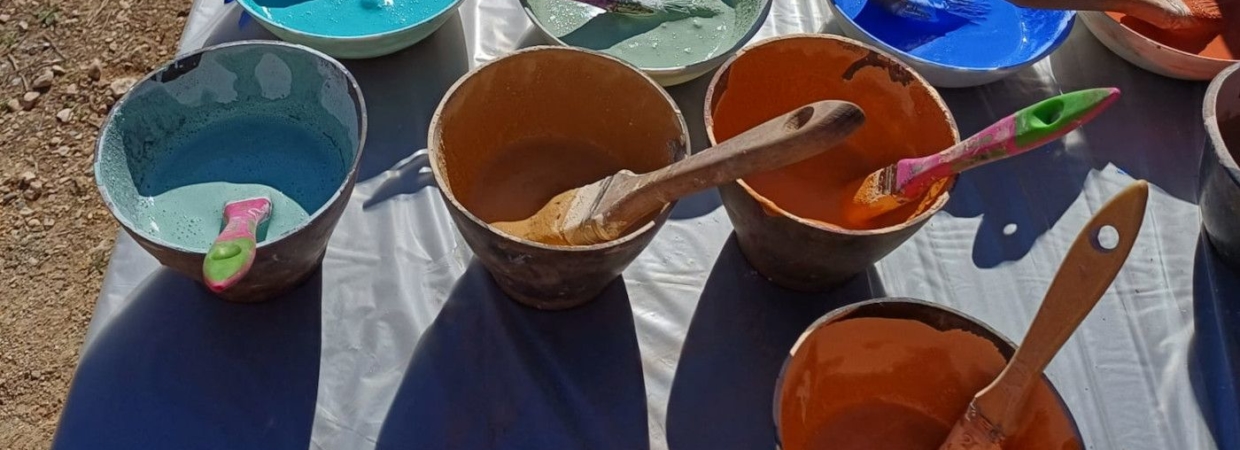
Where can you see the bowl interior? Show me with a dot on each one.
(226, 124)
(662, 41)
(347, 18)
(520, 130)
(1222, 44)
(1008, 36)
(898, 376)
(904, 118)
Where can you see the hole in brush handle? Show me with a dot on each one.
(1106, 238)
(799, 118)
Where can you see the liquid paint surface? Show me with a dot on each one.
(183, 194)
(348, 17)
(660, 41)
(1208, 43)
(894, 384)
(1007, 36)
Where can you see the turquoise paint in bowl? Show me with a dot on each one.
(228, 123)
(959, 53)
(352, 29)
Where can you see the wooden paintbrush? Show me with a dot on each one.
(891, 187)
(1083, 277)
(652, 7)
(606, 209)
(1166, 14)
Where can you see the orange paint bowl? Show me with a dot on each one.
(1149, 54)
(788, 221)
(896, 373)
(515, 132)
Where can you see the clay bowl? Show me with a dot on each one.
(1149, 54)
(1034, 35)
(1219, 195)
(565, 22)
(334, 29)
(515, 132)
(226, 123)
(897, 373)
(786, 221)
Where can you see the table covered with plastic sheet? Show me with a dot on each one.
(402, 340)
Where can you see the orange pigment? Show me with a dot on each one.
(1221, 42)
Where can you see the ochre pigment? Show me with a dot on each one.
(894, 384)
(903, 119)
(1221, 41)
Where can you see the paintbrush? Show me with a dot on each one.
(606, 209)
(653, 7)
(1083, 277)
(891, 187)
(1185, 15)
(232, 254)
(933, 11)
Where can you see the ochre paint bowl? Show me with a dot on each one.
(1219, 194)
(788, 222)
(515, 132)
(896, 374)
(226, 123)
(1194, 58)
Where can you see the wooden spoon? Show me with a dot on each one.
(1083, 277)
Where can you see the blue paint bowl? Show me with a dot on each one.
(956, 53)
(352, 29)
(226, 123)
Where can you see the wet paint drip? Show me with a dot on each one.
(348, 17)
(1220, 44)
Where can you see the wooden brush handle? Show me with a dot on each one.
(1167, 14)
(1083, 277)
(787, 139)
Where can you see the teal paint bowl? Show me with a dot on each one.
(352, 29)
(226, 123)
(671, 49)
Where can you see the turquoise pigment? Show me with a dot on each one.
(349, 18)
(661, 41)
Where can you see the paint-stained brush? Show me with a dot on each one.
(606, 209)
(1083, 276)
(232, 254)
(697, 8)
(937, 10)
(891, 187)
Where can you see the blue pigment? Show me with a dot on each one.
(349, 17)
(1007, 36)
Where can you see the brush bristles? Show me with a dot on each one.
(938, 10)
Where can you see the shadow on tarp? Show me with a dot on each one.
(490, 373)
(180, 368)
(744, 326)
(1214, 354)
(691, 98)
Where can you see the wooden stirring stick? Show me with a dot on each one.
(1083, 277)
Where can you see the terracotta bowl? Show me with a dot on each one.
(1219, 195)
(786, 220)
(1149, 54)
(514, 132)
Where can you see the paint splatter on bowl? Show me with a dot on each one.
(671, 48)
(960, 53)
(352, 29)
(227, 123)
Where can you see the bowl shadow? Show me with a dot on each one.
(744, 326)
(1214, 352)
(180, 368)
(490, 373)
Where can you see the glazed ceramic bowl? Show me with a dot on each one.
(706, 45)
(891, 372)
(786, 223)
(515, 132)
(1033, 36)
(1149, 54)
(1219, 195)
(225, 123)
(286, 20)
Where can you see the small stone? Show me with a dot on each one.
(44, 80)
(9, 197)
(56, 140)
(23, 25)
(65, 115)
(71, 89)
(120, 86)
(95, 70)
(26, 178)
(28, 100)
(25, 212)
(34, 223)
(35, 185)
(63, 150)
(5, 18)
(58, 70)
(31, 195)
(14, 105)
(49, 222)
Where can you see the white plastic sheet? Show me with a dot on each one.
(403, 341)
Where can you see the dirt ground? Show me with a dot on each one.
(62, 65)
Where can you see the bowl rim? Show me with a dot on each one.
(197, 54)
(436, 126)
(708, 116)
(1067, 22)
(1209, 114)
(834, 314)
(1091, 16)
(250, 9)
(756, 26)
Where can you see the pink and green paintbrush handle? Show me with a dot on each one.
(1018, 133)
(232, 254)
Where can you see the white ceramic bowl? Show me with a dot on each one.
(353, 47)
(1149, 54)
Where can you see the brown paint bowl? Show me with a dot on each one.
(786, 220)
(1219, 194)
(896, 373)
(518, 130)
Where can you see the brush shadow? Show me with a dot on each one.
(604, 30)
(410, 175)
(723, 392)
(412, 82)
(180, 368)
(690, 97)
(1214, 352)
(490, 373)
